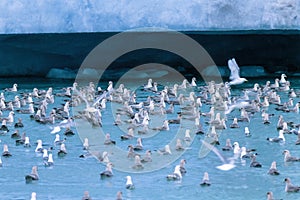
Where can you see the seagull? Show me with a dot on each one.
(149, 84)
(182, 168)
(254, 163)
(228, 145)
(226, 164)
(33, 175)
(119, 195)
(205, 180)
(282, 79)
(129, 184)
(270, 196)
(289, 158)
(289, 187)
(235, 73)
(147, 157)
(33, 196)
(13, 89)
(176, 174)
(280, 137)
(138, 163)
(107, 172)
(86, 196)
(273, 169)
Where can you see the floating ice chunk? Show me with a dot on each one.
(253, 71)
(157, 74)
(215, 71)
(145, 73)
(61, 73)
(90, 72)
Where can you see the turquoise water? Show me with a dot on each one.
(71, 176)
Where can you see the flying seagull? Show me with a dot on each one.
(235, 73)
(227, 163)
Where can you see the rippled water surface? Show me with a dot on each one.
(71, 176)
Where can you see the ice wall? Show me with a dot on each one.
(48, 16)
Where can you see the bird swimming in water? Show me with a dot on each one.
(86, 196)
(16, 135)
(108, 140)
(270, 196)
(50, 161)
(58, 141)
(104, 157)
(45, 154)
(33, 196)
(236, 148)
(282, 80)
(62, 150)
(164, 127)
(254, 163)
(205, 180)
(4, 127)
(266, 119)
(147, 157)
(68, 132)
(19, 124)
(166, 150)
(234, 123)
(131, 153)
(298, 139)
(289, 158)
(107, 172)
(247, 132)
(137, 163)
(193, 82)
(280, 137)
(182, 166)
(139, 145)
(39, 147)
(119, 195)
(149, 84)
(129, 184)
(13, 89)
(228, 145)
(187, 136)
(289, 187)
(176, 174)
(129, 135)
(244, 153)
(179, 146)
(5, 152)
(86, 145)
(273, 169)
(33, 176)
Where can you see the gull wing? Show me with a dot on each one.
(102, 96)
(234, 69)
(88, 107)
(226, 165)
(215, 150)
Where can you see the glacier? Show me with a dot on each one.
(64, 16)
(51, 38)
